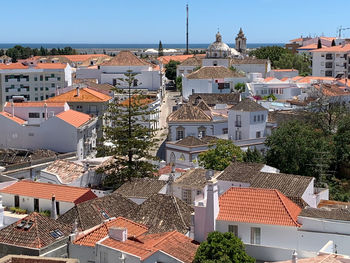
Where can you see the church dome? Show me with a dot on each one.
(218, 49)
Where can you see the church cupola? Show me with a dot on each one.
(218, 37)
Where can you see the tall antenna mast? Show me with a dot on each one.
(187, 29)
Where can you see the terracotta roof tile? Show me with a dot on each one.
(180, 58)
(339, 48)
(191, 141)
(192, 61)
(213, 99)
(322, 258)
(340, 213)
(89, 213)
(214, 72)
(162, 213)
(37, 236)
(140, 187)
(248, 105)
(34, 104)
(13, 118)
(189, 113)
(66, 171)
(85, 95)
(96, 234)
(167, 170)
(45, 191)
(51, 66)
(260, 206)
(331, 90)
(78, 58)
(195, 178)
(173, 243)
(74, 118)
(125, 58)
(13, 66)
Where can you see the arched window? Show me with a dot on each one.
(202, 131)
(172, 158)
(182, 157)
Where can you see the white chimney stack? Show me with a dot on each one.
(45, 109)
(118, 233)
(295, 257)
(13, 109)
(53, 207)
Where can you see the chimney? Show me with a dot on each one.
(45, 109)
(234, 158)
(209, 174)
(192, 226)
(295, 257)
(212, 207)
(169, 190)
(118, 233)
(78, 91)
(162, 164)
(13, 109)
(53, 207)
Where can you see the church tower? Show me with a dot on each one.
(241, 42)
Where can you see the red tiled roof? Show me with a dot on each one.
(261, 206)
(268, 79)
(284, 70)
(310, 47)
(13, 118)
(92, 237)
(322, 258)
(85, 95)
(167, 170)
(51, 66)
(78, 58)
(172, 243)
(331, 90)
(138, 102)
(180, 58)
(62, 193)
(74, 118)
(125, 58)
(13, 66)
(340, 48)
(308, 79)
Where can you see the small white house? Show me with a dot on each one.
(35, 196)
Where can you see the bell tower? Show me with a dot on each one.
(241, 42)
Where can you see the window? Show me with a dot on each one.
(202, 131)
(35, 78)
(43, 115)
(79, 108)
(225, 131)
(34, 115)
(182, 157)
(41, 97)
(258, 117)
(233, 229)
(238, 121)
(254, 118)
(41, 77)
(36, 205)
(52, 85)
(36, 99)
(262, 117)
(329, 73)
(46, 88)
(255, 235)
(199, 192)
(16, 201)
(172, 157)
(258, 134)
(187, 196)
(41, 88)
(238, 135)
(180, 132)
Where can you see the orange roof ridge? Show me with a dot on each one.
(132, 222)
(13, 118)
(74, 118)
(279, 194)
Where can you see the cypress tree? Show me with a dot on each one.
(160, 49)
(130, 135)
(319, 44)
(333, 43)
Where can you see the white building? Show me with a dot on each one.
(283, 73)
(197, 121)
(148, 76)
(331, 61)
(247, 124)
(211, 79)
(52, 126)
(251, 65)
(35, 196)
(35, 82)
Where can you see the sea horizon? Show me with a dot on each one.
(127, 46)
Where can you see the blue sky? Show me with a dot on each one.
(141, 21)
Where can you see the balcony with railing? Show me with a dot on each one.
(329, 65)
(238, 124)
(329, 56)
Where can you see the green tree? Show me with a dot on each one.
(220, 155)
(178, 83)
(222, 248)
(240, 87)
(253, 156)
(160, 49)
(130, 140)
(270, 52)
(342, 142)
(294, 61)
(333, 43)
(2, 52)
(170, 69)
(294, 147)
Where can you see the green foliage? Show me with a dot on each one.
(294, 61)
(160, 49)
(170, 69)
(130, 135)
(45, 213)
(342, 142)
(17, 210)
(253, 156)
(271, 96)
(240, 87)
(19, 52)
(178, 83)
(2, 52)
(293, 148)
(219, 157)
(270, 52)
(223, 248)
(333, 43)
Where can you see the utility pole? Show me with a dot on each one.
(187, 52)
